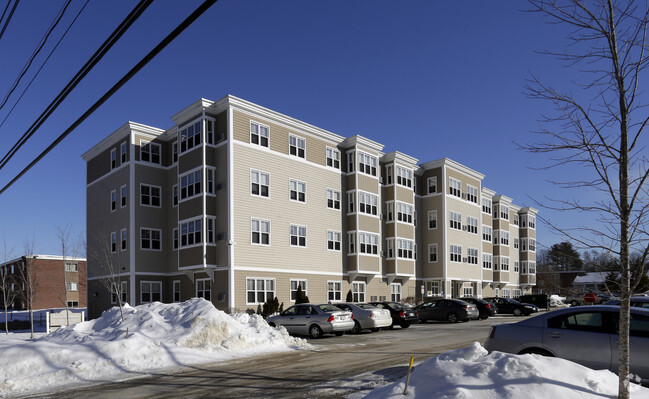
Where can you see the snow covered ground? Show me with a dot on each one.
(157, 335)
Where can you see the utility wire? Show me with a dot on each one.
(43, 64)
(4, 27)
(94, 59)
(157, 49)
(38, 49)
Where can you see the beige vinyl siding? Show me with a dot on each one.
(405, 194)
(405, 231)
(369, 184)
(282, 212)
(369, 263)
(368, 223)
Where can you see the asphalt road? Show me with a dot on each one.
(334, 368)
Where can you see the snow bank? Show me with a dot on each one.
(558, 301)
(152, 336)
(473, 373)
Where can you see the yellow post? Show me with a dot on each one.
(405, 389)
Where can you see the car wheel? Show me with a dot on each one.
(452, 318)
(375, 330)
(484, 316)
(404, 325)
(271, 324)
(574, 303)
(357, 327)
(536, 351)
(517, 312)
(339, 333)
(315, 331)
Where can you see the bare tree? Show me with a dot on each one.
(7, 283)
(104, 254)
(63, 234)
(602, 131)
(29, 279)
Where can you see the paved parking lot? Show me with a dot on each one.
(335, 367)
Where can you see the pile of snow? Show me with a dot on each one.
(152, 336)
(474, 373)
(558, 301)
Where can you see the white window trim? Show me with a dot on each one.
(260, 243)
(151, 283)
(151, 196)
(150, 229)
(259, 172)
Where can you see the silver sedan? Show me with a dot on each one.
(367, 316)
(587, 335)
(313, 320)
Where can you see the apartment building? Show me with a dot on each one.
(237, 203)
(56, 281)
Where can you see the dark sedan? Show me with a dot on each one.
(451, 310)
(402, 315)
(512, 306)
(485, 308)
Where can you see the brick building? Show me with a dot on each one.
(51, 274)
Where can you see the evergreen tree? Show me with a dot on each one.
(300, 297)
(350, 297)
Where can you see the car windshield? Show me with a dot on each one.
(329, 308)
(514, 301)
(397, 306)
(365, 306)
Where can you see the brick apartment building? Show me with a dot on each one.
(51, 274)
(237, 203)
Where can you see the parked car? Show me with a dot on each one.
(512, 306)
(451, 310)
(586, 335)
(367, 316)
(485, 309)
(314, 320)
(578, 300)
(401, 315)
(636, 301)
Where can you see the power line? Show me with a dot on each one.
(157, 49)
(94, 59)
(43, 64)
(4, 27)
(38, 49)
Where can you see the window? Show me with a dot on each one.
(260, 230)
(72, 286)
(432, 253)
(404, 212)
(150, 291)
(123, 239)
(333, 199)
(296, 146)
(532, 267)
(334, 239)
(174, 194)
(433, 288)
(516, 219)
(504, 212)
(388, 174)
(366, 164)
(404, 176)
(351, 238)
(486, 205)
(259, 183)
(472, 193)
(455, 220)
(175, 238)
(298, 236)
(432, 184)
(211, 222)
(190, 136)
(531, 221)
(405, 249)
(390, 209)
(190, 184)
(358, 291)
(191, 232)
(259, 134)
(516, 243)
(209, 172)
(113, 200)
(395, 292)
(259, 290)
(472, 256)
(294, 286)
(582, 321)
(532, 245)
(150, 239)
(455, 187)
(504, 237)
(390, 248)
(456, 253)
(333, 158)
(209, 124)
(368, 203)
(504, 263)
(113, 242)
(123, 196)
(114, 291)
(174, 151)
(486, 233)
(467, 292)
(123, 153)
(369, 243)
(350, 161)
(150, 152)
(176, 290)
(113, 159)
(71, 267)
(334, 290)
(204, 288)
(297, 190)
(472, 225)
(351, 196)
(432, 220)
(149, 195)
(487, 261)
(516, 263)
(73, 304)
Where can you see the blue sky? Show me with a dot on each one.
(431, 79)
